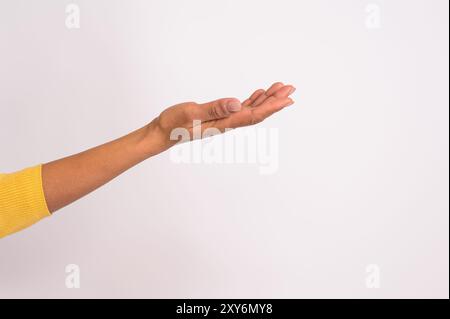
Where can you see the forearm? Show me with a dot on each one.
(68, 179)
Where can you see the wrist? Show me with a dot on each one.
(155, 140)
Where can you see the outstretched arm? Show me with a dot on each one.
(67, 180)
(71, 178)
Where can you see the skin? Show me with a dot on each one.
(69, 179)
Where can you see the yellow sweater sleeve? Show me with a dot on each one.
(22, 200)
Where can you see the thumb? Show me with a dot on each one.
(219, 109)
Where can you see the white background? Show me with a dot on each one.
(364, 158)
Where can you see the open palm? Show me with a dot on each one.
(227, 113)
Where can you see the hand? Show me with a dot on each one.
(223, 114)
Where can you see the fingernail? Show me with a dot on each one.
(292, 91)
(234, 106)
(291, 102)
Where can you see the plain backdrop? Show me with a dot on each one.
(363, 173)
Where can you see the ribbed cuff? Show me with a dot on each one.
(22, 200)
